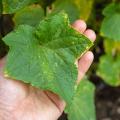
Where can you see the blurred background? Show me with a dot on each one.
(103, 16)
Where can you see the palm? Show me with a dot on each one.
(26, 102)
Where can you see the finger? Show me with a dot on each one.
(86, 60)
(84, 64)
(80, 25)
(90, 34)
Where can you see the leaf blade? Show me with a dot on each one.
(111, 75)
(108, 30)
(45, 65)
(84, 98)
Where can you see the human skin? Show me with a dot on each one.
(20, 101)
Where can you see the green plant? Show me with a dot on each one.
(36, 40)
(110, 30)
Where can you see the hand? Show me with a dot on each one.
(20, 101)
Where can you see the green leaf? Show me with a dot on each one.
(82, 106)
(111, 46)
(30, 15)
(111, 9)
(45, 56)
(111, 24)
(11, 6)
(109, 69)
(75, 8)
(85, 7)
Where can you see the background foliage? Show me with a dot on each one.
(101, 15)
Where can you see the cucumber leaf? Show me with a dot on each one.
(84, 98)
(111, 24)
(30, 15)
(44, 56)
(12, 6)
(75, 8)
(111, 47)
(109, 69)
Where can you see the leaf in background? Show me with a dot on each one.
(83, 106)
(75, 8)
(111, 9)
(45, 56)
(109, 69)
(111, 46)
(11, 6)
(85, 7)
(30, 15)
(111, 24)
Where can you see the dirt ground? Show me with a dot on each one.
(108, 104)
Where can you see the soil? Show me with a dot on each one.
(108, 103)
